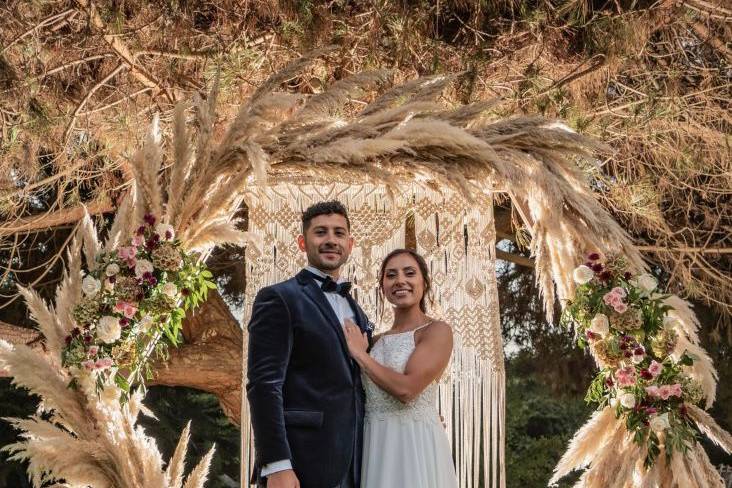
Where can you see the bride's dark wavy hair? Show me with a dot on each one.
(421, 263)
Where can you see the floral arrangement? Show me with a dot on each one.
(134, 300)
(631, 331)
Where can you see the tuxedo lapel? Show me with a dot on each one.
(361, 319)
(313, 291)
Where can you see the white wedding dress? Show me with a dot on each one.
(405, 445)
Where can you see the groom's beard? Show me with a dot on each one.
(316, 259)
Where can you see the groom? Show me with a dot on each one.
(304, 390)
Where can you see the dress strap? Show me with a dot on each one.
(423, 326)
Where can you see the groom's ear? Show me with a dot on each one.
(301, 242)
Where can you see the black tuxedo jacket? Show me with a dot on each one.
(304, 390)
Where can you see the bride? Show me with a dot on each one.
(405, 444)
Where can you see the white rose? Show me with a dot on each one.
(613, 402)
(90, 285)
(143, 266)
(645, 282)
(109, 329)
(582, 274)
(659, 423)
(627, 400)
(600, 325)
(170, 289)
(162, 229)
(112, 269)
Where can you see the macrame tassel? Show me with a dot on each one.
(457, 239)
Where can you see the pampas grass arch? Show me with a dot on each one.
(405, 133)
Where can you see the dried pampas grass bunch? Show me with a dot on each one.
(81, 435)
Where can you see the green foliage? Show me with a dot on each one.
(539, 423)
(14, 402)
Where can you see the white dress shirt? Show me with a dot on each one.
(343, 311)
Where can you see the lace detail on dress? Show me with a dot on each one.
(393, 351)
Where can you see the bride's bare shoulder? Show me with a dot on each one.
(437, 330)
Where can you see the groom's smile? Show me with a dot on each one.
(327, 241)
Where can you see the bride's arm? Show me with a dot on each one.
(425, 365)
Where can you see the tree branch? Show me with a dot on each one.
(515, 258)
(54, 219)
(123, 51)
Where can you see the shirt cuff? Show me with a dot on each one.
(276, 467)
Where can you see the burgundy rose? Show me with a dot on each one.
(68, 340)
(605, 275)
(609, 382)
(149, 219)
(141, 230)
(168, 235)
(646, 375)
(124, 322)
(627, 275)
(87, 339)
(185, 292)
(593, 256)
(112, 279)
(597, 267)
(75, 332)
(628, 354)
(639, 351)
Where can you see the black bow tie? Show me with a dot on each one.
(330, 286)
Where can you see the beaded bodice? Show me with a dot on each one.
(393, 351)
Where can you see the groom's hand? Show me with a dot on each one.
(283, 479)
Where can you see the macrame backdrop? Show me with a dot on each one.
(457, 238)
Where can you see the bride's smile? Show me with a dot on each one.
(403, 284)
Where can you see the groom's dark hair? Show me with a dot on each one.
(324, 208)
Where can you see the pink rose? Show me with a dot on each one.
(126, 253)
(620, 307)
(652, 391)
(103, 363)
(93, 350)
(138, 241)
(676, 389)
(88, 364)
(609, 298)
(619, 291)
(126, 308)
(655, 368)
(625, 376)
(664, 392)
